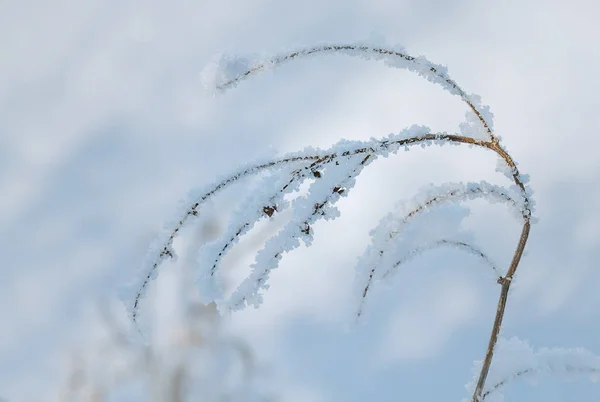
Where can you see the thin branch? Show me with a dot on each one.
(433, 73)
(377, 148)
(521, 373)
(269, 209)
(305, 228)
(420, 250)
(444, 242)
(419, 64)
(505, 283)
(460, 192)
(424, 67)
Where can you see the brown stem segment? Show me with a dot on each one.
(505, 282)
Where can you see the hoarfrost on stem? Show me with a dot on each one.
(431, 219)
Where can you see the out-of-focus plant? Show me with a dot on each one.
(199, 362)
(188, 355)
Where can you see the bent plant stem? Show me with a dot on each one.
(268, 210)
(364, 49)
(493, 144)
(438, 199)
(382, 146)
(316, 211)
(417, 250)
(192, 211)
(505, 282)
(435, 74)
(497, 386)
(445, 242)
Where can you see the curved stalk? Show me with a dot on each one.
(432, 73)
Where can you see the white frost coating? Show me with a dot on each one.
(458, 192)
(444, 222)
(458, 244)
(483, 109)
(412, 226)
(137, 287)
(515, 359)
(395, 240)
(226, 71)
(307, 157)
(190, 208)
(132, 292)
(222, 69)
(390, 143)
(472, 127)
(317, 204)
(503, 168)
(268, 193)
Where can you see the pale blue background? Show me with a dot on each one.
(104, 127)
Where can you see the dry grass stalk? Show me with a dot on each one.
(311, 165)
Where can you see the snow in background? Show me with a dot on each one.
(104, 126)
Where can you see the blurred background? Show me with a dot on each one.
(105, 126)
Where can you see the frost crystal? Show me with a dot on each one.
(317, 204)
(222, 70)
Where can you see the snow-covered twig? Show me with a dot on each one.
(334, 170)
(416, 251)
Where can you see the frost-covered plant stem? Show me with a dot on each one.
(306, 162)
(493, 144)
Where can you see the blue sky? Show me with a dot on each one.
(104, 126)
